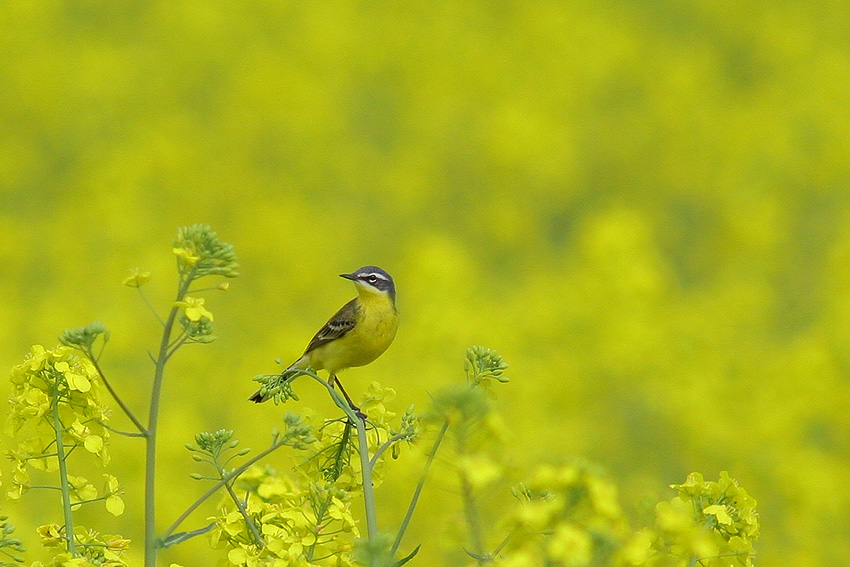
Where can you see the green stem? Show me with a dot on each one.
(148, 303)
(114, 394)
(258, 539)
(470, 510)
(320, 516)
(363, 450)
(151, 430)
(63, 474)
(366, 473)
(502, 545)
(365, 464)
(419, 486)
(387, 444)
(235, 473)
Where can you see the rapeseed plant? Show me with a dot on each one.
(564, 515)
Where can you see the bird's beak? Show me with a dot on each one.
(348, 276)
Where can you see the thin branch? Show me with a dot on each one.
(177, 344)
(148, 303)
(118, 431)
(258, 539)
(183, 536)
(42, 456)
(419, 486)
(387, 444)
(470, 510)
(504, 543)
(114, 394)
(233, 474)
(320, 516)
(90, 500)
(59, 430)
(368, 489)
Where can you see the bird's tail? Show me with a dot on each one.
(258, 397)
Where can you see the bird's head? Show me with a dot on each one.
(372, 280)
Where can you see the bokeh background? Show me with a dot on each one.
(643, 205)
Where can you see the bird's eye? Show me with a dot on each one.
(372, 279)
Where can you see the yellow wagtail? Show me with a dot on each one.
(359, 332)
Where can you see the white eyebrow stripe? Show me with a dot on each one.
(376, 274)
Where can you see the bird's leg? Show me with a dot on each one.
(333, 379)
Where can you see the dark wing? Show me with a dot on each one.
(336, 327)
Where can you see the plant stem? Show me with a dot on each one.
(151, 430)
(363, 450)
(368, 489)
(63, 474)
(258, 539)
(470, 510)
(387, 444)
(502, 545)
(112, 391)
(419, 486)
(235, 473)
(320, 516)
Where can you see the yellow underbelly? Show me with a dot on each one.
(372, 335)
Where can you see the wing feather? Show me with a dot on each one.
(337, 326)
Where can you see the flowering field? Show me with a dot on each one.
(643, 207)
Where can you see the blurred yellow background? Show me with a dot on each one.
(643, 206)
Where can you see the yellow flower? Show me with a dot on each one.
(93, 443)
(51, 535)
(37, 358)
(238, 556)
(114, 505)
(186, 256)
(81, 489)
(20, 481)
(194, 308)
(117, 543)
(479, 470)
(720, 512)
(603, 495)
(638, 549)
(674, 515)
(339, 511)
(137, 278)
(111, 483)
(570, 545)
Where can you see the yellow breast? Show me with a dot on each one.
(377, 323)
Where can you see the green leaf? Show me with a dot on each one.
(404, 560)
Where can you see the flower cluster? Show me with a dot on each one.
(303, 522)
(96, 550)
(483, 367)
(200, 253)
(711, 524)
(305, 518)
(382, 421)
(56, 393)
(568, 516)
(56, 409)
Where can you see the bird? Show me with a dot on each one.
(357, 334)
